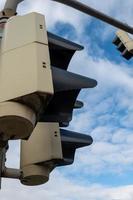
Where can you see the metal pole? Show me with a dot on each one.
(99, 15)
(12, 5)
(11, 173)
(10, 8)
(2, 162)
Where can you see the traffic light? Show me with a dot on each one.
(39, 96)
(48, 147)
(124, 44)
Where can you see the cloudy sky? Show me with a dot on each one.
(104, 170)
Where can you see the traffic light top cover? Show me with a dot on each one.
(67, 86)
(70, 142)
(62, 43)
(61, 51)
(66, 81)
(74, 139)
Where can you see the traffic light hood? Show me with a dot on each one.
(61, 51)
(70, 142)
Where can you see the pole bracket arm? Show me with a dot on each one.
(11, 173)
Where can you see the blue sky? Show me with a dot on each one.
(104, 170)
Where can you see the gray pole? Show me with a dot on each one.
(99, 15)
(2, 162)
(11, 173)
(12, 5)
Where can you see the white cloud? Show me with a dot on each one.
(61, 188)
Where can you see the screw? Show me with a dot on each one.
(44, 65)
(41, 26)
(56, 134)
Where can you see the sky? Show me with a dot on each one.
(102, 171)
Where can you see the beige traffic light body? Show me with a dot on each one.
(25, 64)
(25, 75)
(123, 36)
(39, 152)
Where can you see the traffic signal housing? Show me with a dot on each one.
(48, 147)
(124, 44)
